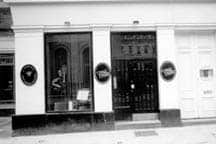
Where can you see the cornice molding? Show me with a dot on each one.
(97, 1)
(112, 27)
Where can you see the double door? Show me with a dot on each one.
(135, 88)
(197, 81)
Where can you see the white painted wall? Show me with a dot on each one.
(113, 13)
(29, 50)
(101, 54)
(168, 94)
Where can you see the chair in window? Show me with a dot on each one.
(83, 100)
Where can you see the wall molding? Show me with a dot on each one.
(103, 1)
(112, 27)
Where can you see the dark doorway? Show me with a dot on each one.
(134, 70)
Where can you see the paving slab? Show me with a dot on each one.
(199, 134)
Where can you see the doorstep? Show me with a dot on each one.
(165, 118)
(124, 125)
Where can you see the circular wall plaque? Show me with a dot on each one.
(28, 74)
(167, 71)
(102, 72)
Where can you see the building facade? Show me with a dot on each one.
(110, 60)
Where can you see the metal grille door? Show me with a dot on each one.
(135, 86)
(134, 73)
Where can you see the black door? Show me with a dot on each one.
(143, 85)
(135, 86)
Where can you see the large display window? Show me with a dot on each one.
(69, 85)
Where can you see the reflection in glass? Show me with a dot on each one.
(69, 67)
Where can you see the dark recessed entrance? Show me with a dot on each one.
(134, 73)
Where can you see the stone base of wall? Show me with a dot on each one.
(6, 112)
(78, 122)
(61, 123)
(170, 117)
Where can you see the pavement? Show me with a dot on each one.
(196, 134)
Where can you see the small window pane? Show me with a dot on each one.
(206, 73)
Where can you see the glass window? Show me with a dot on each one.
(127, 45)
(6, 79)
(206, 73)
(69, 72)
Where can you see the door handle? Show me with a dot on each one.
(132, 86)
(115, 86)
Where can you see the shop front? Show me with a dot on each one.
(69, 73)
(100, 62)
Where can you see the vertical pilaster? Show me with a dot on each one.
(101, 54)
(29, 49)
(168, 94)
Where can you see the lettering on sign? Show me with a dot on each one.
(168, 71)
(140, 44)
(138, 37)
(102, 72)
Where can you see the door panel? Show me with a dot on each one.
(186, 83)
(186, 75)
(121, 90)
(142, 74)
(204, 44)
(196, 64)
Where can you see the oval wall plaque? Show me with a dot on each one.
(167, 71)
(102, 72)
(28, 74)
